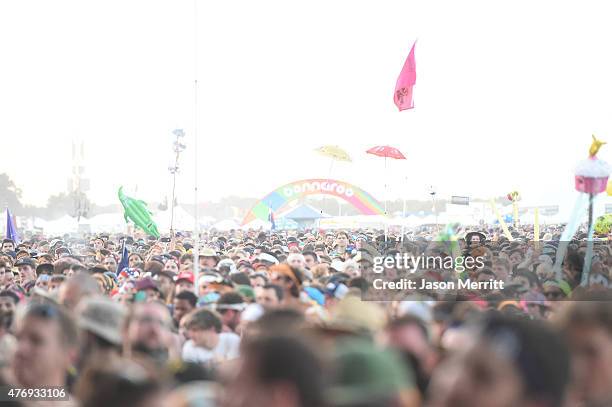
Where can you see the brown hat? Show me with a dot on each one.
(21, 254)
(293, 274)
(352, 315)
(102, 317)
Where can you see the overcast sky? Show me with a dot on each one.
(507, 94)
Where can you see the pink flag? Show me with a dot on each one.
(406, 80)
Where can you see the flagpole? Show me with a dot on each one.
(404, 211)
(196, 226)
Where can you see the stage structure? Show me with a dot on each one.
(276, 200)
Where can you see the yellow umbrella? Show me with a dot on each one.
(334, 152)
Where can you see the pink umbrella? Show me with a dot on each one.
(387, 152)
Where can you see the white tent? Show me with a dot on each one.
(227, 224)
(257, 224)
(411, 220)
(65, 224)
(183, 220)
(206, 220)
(108, 222)
(27, 223)
(355, 222)
(339, 222)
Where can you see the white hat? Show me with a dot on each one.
(420, 309)
(337, 265)
(252, 312)
(267, 258)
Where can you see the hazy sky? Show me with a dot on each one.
(507, 94)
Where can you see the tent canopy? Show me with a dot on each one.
(225, 225)
(304, 212)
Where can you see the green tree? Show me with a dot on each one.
(10, 195)
(68, 204)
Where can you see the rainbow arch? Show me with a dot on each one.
(277, 199)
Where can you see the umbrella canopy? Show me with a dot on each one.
(334, 152)
(387, 152)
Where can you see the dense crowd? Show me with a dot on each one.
(282, 319)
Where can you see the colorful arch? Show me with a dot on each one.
(277, 199)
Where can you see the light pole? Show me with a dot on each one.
(178, 148)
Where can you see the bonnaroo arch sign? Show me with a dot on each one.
(277, 199)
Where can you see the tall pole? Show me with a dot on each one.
(436, 213)
(385, 175)
(196, 226)
(178, 148)
(404, 212)
(588, 257)
(484, 219)
(172, 203)
(386, 216)
(331, 166)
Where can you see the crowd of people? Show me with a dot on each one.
(284, 319)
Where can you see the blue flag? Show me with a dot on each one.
(11, 232)
(123, 263)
